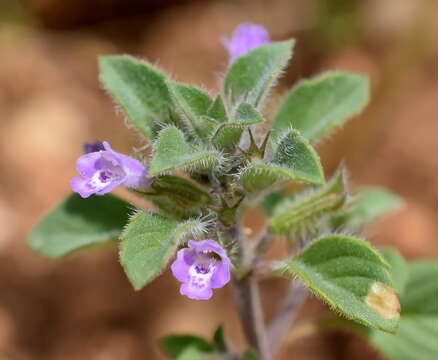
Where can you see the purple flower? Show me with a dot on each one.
(102, 171)
(203, 266)
(93, 147)
(245, 38)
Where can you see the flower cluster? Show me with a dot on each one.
(203, 265)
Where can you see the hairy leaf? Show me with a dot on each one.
(217, 110)
(192, 104)
(182, 192)
(300, 212)
(228, 134)
(148, 242)
(251, 75)
(139, 89)
(294, 159)
(77, 223)
(317, 106)
(351, 277)
(172, 152)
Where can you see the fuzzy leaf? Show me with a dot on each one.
(228, 134)
(172, 152)
(294, 159)
(175, 345)
(300, 213)
(167, 207)
(139, 89)
(77, 223)
(181, 192)
(417, 335)
(149, 241)
(251, 75)
(369, 204)
(193, 104)
(317, 106)
(351, 277)
(217, 110)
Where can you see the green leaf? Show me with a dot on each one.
(369, 204)
(317, 106)
(218, 339)
(300, 213)
(181, 192)
(417, 335)
(192, 104)
(271, 201)
(172, 152)
(228, 134)
(167, 207)
(294, 159)
(149, 241)
(176, 345)
(399, 268)
(217, 110)
(251, 75)
(139, 89)
(351, 277)
(77, 223)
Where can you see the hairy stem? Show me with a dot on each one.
(247, 296)
(286, 315)
(251, 314)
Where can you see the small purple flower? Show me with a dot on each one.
(93, 147)
(101, 171)
(245, 38)
(203, 266)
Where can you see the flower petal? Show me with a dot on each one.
(221, 275)
(80, 186)
(86, 164)
(110, 187)
(207, 245)
(180, 267)
(136, 172)
(196, 293)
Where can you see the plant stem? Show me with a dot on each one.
(286, 314)
(251, 314)
(247, 296)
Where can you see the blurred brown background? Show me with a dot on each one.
(51, 102)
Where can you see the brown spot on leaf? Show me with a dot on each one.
(383, 300)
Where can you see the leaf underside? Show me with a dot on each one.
(77, 223)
